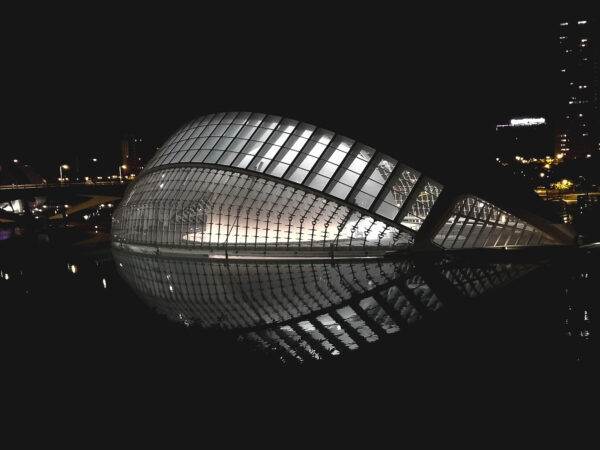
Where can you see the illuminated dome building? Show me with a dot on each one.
(243, 183)
(288, 234)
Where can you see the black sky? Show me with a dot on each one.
(419, 79)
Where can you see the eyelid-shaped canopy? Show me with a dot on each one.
(249, 180)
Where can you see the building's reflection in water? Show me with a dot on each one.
(307, 310)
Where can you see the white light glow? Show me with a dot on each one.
(527, 121)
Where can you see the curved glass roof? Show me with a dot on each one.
(303, 154)
(255, 181)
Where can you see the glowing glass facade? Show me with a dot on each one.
(244, 181)
(477, 223)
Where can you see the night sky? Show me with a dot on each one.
(428, 80)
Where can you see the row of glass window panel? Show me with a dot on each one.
(249, 151)
(243, 118)
(480, 234)
(145, 192)
(319, 181)
(386, 209)
(276, 199)
(213, 120)
(324, 170)
(195, 185)
(250, 131)
(245, 131)
(397, 193)
(249, 232)
(149, 223)
(474, 222)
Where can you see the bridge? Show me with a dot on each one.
(29, 191)
(101, 192)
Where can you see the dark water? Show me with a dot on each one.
(75, 333)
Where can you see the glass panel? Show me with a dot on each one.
(317, 182)
(296, 175)
(229, 117)
(241, 118)
(261, 134)
(219, 130)
(305, 130)
(217, 118)
(277, 169)
(233, 130)
(397, 193)
(375, 178)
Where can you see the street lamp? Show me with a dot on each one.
(124, 167)
(60, 168)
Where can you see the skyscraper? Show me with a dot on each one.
(130, 152)
(578, 116)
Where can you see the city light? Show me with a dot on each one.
(60, 169)
(527, 121)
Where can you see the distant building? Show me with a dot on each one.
(578, 119)
(524, 137)
(131, 151)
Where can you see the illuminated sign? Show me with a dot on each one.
(527, 121)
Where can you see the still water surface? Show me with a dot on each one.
(84, 314)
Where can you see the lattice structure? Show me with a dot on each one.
(248, 181)
(477, 223)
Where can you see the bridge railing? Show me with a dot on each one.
(60, 185)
